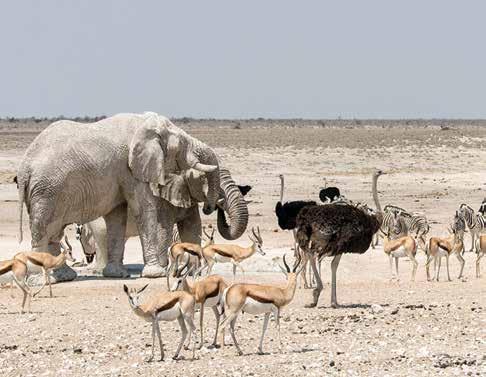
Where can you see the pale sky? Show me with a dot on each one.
(252, 58)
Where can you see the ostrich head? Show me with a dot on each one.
(281, 187)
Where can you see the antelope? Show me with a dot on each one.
(227, 253)
(207, 292)
(398, 248)
(180, 249)
(404, 246)
(259, 299)
(16, 271)
(480, 250)
(445, 247)
(165, 306)
(46, 262)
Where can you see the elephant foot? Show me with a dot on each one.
(115, 270)
(153, 271)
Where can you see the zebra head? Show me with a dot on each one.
(85, 238)
(467, 214)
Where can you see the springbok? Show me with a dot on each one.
(445, 247)
(45, 262)
(181, 250)
(16, 271)
(165, 306)
(207, 292)
(259, 299)
(228, 253)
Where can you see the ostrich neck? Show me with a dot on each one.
(374, 190)
(281, 189)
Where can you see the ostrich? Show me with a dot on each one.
(287, 215)
(333, 229)
(329, 194)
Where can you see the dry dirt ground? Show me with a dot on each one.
(384, 328)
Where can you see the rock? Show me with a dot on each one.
(375, 308)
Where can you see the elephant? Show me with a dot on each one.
(184, 211)
(77, 172)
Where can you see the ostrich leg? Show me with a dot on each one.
(334, 266)
(317, 290)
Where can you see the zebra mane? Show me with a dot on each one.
(464, 205)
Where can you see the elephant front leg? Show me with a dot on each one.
(116, 224)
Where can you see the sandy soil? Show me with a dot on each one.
(384, 328)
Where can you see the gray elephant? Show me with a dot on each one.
(77, 172)
(183, 192)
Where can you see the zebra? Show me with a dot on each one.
(418, 227)
(475, 222)
(398, 222)
(482, 208)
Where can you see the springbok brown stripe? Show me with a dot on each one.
(192, 252)
(6, 266)
(222, 253)
(214, 292)
(260, 299)
(34, 261)
(168, 305)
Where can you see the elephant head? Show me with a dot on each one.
(159, 148)
(187, 189)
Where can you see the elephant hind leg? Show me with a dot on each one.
(116, 225)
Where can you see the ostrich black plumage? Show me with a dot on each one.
(287, 212)
(329, 194)
(334, 229)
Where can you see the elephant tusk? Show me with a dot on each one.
(205, 168)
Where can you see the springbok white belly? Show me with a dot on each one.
(170, 314)
(221, 259)
(6, 277)
(399, 253)
(33, 268)
(212, 301)
(254, 307)
(442, 253)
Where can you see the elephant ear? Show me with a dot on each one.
(176, 191)
(185, 189)
(146, 156)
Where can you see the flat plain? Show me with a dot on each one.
(383, 328)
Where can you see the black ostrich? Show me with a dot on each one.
(333, 229)
(329, 194)
(287, 212)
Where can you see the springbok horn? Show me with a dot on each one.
(142, 289)
(285, 264)
(253, 232)
(204, 231)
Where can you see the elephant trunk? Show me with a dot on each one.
(234, 205)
